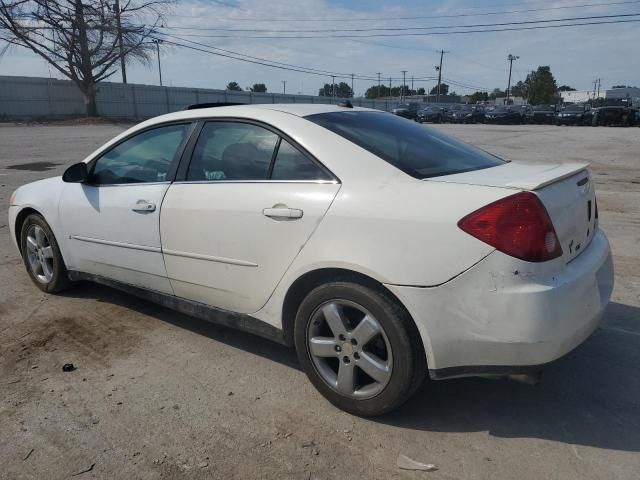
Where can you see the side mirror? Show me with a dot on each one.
(76, 173)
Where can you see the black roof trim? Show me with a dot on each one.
(195, 106)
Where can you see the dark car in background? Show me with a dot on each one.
(431, 114)
(540, 114)
(618, 111)
(465, 114)
(575, 114)
(407, 110)
(504, 115)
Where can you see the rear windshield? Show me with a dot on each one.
(413, 148)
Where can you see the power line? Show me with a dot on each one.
(421, 34)
(423, 17)
(402, 29)
(249, 58)
(334, 75)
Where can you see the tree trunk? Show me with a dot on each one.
(89, 93)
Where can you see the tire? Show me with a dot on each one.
(41, 255)
(389, 348)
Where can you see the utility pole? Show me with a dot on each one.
(411, 84)
(379, 73)
(116, 8)
(439, 69)
(404, 82)
(598, 88)
(595, 83)
(157, 42)
(284, 87)
(511, 58)
(353, 93)
(333, 86)
(389, 87)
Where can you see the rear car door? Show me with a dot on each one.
(248, 202)
(112, 221)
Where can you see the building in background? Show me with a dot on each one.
(577, 96)
(625, 92)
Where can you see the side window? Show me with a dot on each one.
(232, 151)
(291, 164)
(144, 158)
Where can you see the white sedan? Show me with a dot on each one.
(383, 250)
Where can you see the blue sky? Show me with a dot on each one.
(576, 55)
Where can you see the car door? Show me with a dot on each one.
(112, 221)
(249, 201)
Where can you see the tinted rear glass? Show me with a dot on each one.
(413, 148)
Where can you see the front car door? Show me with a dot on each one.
(112, 221)
(249, 201)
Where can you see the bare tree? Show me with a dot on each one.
(83, 40)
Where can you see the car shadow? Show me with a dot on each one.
(591, 397)
(250, 343)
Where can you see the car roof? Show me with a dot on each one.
(298, 109)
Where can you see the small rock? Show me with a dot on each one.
(33, 367)
(119, 403)
(68, 367)
(203, 464)
(176, 407)
(229, 394)
(315, 452)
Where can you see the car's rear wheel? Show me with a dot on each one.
(41, 255)
(359, 347)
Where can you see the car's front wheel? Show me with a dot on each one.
(359, 347)
(41, 255)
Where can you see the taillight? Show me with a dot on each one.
(517, 225)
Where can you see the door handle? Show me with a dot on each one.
(282, 212)
(143, 206)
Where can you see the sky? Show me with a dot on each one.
(576, 55)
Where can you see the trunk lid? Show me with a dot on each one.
(565, 189)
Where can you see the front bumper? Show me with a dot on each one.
(509, 316)
(13, 215)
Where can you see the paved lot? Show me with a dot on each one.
(160, 395)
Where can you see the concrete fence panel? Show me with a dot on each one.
(35, 97)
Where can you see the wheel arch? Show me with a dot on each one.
(304, 284)
(20, 218)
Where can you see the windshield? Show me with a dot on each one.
(500, 109)
(416, 150)
(402, 105)
(574, 108)
(543, 108)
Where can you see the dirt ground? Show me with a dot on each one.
(160, 395)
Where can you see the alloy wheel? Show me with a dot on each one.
(39, 254)
(349, 349)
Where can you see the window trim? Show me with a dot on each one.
(173, 165)
(187, 154)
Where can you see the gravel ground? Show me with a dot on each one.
(160, 395)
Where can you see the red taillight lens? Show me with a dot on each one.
(517, 225)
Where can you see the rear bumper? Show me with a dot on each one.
(508, 316)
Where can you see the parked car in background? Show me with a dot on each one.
(465, 114)
(575, 114)
(407, 110)
(431, 114)
(504, 114)
(540, 114)
(616, 112)
(308, 225)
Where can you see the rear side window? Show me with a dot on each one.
(232, 151)
(416, 150)
(292, 164)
